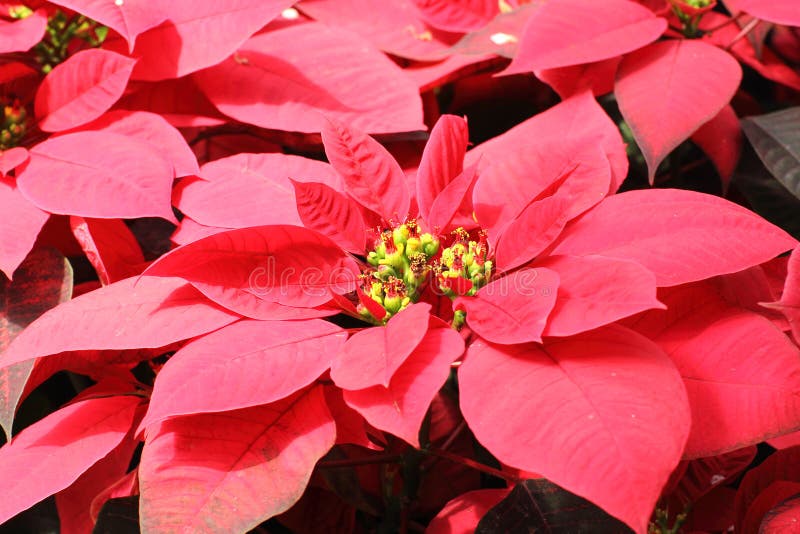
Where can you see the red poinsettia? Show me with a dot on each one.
(573, 367)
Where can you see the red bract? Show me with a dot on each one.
(303, 309)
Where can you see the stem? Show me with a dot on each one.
(750, 26)
(473, 464)
(722, 25)
(355, 462)
(453, 435)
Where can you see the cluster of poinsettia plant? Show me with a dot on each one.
(354, 327)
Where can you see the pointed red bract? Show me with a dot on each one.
(21, 35)
(698, 81)
(51, 454)
(298, 89)
(508, 187)
(783, 466)
(400, 408)
(81, 89)
(461, 515)
(110, 246)
(180, 102)
(572, 32)
(603, 414)
(393, 26)
(742, 374)
(130, 314)
(514, 308)
(128, 18)
(721, 139)
(442, 160)
(242, 365)
(331, 213)
(371, 357)
(452, 207)
(281, 264)
(789, 303)
(230, 471)
(681, 236)
(74, 503)
(564, 127)
(250, 190)
(457, 15)
(153, 130)
(371, 174)
(172, 49)
(594, 291)
(777, 11)
(98, 174)
(12, 158)
(536, 227)
(567, 81)
(22, 223)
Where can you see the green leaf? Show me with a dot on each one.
(776, 139)
(41, 282)
(539, 505)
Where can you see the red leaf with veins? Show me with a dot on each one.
(565, 126)
(258, 460)
(179, 102)
(594, 291)
(457, 15)
(372, 356)
(779, 467)
(742, 374)
(681, 236)
(98, 174)
(567, 81)
(530, 232)
(453, 206)
(603, 414)
(777, 11)
(172, 50)
(400, 407)
(573, 32)
(22, 222)
(133, 313)
(721, 140)
(370, 172)
(789, 303)
(298, 89)
(234, 192)
(21, 35)
(461, 515)
(577, 174)
(242, 365)
(281, 264)
(129, 18)
(393, 26)
(81, 88)
(331, 213)
(153, 130)
(52, 453)
(12, 158)
(514, 308)
(110, 246)
(442, 160)
(75, 502)
(697, 82)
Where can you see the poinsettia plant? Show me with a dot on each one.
(242, 290)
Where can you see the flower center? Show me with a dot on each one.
(403, 260)
(464, 267)
(399, 267)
